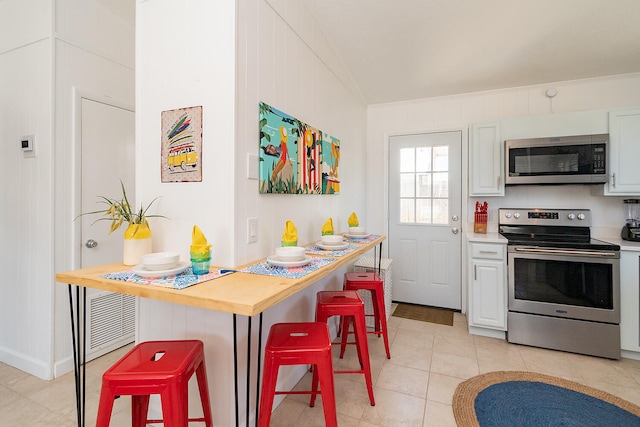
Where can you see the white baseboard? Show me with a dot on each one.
(25, 363)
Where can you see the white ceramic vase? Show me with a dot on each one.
(137, 242)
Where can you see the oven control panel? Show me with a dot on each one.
(560, 217)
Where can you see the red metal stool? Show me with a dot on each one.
(373, 283)
(156, 367)
(349, 306)
(302, 343)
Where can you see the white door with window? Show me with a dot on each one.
(424, 218)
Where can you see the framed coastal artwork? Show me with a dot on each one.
(181, 150)
(296, 158)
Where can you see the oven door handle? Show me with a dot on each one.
(603, 254)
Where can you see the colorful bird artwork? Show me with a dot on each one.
(291, 155)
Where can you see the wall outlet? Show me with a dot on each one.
(252, 230)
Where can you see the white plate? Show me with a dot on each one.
(337, 247)
(273, 260)
(357, 236)
(320, 242)
(141, 271)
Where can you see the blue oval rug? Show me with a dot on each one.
(515, 398)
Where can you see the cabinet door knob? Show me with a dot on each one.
(455, 230)
(91, 244)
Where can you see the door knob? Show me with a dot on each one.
(455, 230)
(91, 243)
(454, 218)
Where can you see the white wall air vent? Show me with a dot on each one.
(110, 322)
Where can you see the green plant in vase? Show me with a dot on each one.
(137, 236)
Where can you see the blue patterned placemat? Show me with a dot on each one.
(317, 250)
(267, 269)
(179, 281)
(369, 238)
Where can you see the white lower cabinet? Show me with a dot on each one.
(487, 286)
(630, 300)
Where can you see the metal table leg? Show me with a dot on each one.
(78, 338)
(377, 253)
(258, 370)
(248, 397)
(235, 370)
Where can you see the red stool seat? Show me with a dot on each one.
(356, 281)
(350, 307)
(157, 367)
(302, 343)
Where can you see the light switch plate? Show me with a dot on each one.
(252, 166)
(252, 230)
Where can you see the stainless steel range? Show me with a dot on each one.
(564, 286)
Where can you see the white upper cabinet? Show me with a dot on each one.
(624, 152)
(486, 160)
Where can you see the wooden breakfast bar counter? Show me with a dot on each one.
(239, 293)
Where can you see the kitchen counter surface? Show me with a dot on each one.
(626, 245)
(490, 237)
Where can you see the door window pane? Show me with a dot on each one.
(441, 184)
(423, 185)
(407, 185)
(441, 211)
(407, 160)
(423, 211)
(423, 159)
(407, 208)
(440, 159)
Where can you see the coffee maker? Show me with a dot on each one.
(631, 230)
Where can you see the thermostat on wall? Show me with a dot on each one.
(27, 143)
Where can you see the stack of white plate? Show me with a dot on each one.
(289, 256)
(332, 242)
(357, 233)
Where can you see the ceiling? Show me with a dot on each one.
(398, 50)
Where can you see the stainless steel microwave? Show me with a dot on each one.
(557, 160)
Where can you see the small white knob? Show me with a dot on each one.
(581, 216)
(507, 215)
(516, 215)
(571, 216)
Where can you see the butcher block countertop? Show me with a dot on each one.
(239, 293)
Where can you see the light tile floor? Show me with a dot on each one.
(413, 388)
